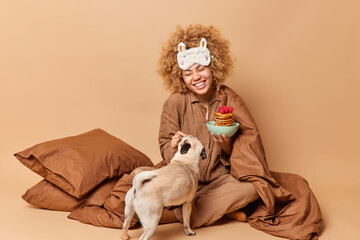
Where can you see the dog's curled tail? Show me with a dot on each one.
(142, 177)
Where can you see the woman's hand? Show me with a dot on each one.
(175, 140)
(224, 142)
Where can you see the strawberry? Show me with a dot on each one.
(225, 109)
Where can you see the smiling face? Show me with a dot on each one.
(199, 80)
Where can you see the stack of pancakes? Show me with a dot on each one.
(224, 119)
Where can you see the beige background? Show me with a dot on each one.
(67, 67)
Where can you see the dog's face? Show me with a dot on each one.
(191, 144)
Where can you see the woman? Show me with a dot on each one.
(194, 63)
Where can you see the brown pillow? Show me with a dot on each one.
(48, 196)
(77, 164)
(111, 212)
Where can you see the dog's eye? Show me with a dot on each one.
(185, 147)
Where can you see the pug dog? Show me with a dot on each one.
(172, 185)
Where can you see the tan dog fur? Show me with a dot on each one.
(172, 185)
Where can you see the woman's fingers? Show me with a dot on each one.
(220, 138)
(225, 138)
(216, 139)
(181, 134)
(176, 139)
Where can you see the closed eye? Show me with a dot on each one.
(187, 73)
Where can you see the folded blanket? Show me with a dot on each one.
(296, 217)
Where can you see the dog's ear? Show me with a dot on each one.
(185, 147)
(203, 154)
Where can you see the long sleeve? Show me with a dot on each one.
(169, 125)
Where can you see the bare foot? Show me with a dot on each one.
(237, 215)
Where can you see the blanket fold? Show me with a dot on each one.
(297, 216)
(287, 207)
(111, 212)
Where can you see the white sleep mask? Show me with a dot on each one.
(199, 55)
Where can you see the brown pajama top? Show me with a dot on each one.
(286, 207)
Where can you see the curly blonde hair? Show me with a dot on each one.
(221, 63)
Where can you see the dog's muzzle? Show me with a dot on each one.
(203, 154)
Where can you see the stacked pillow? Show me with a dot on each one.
(82, 171)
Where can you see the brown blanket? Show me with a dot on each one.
(296, 213)
(286, 208)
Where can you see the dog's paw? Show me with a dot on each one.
(190, 233)
(125, 237)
